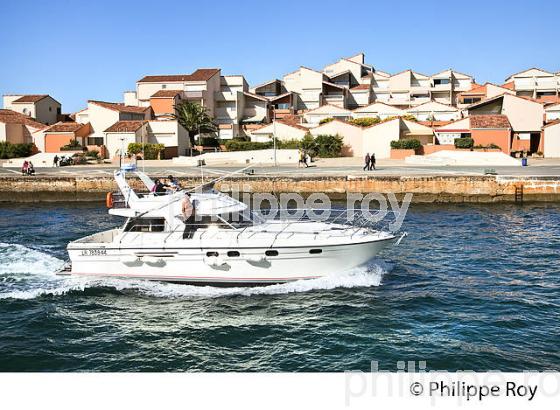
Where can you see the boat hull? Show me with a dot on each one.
(251, 266)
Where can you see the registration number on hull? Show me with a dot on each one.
(94, 252)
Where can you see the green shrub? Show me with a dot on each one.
(464, 142)
(240, 145)
(74, 145)
(209, 142)
(289, 144)
(151, 151)
(329, 146)
(365, 122)
(9, 150)
(324, 145)
(409, 143)
(92, 154)
(489, 146)
(408, 117)
(326, 120)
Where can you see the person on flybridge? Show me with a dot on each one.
(187, 208)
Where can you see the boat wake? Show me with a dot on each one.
(28, 274)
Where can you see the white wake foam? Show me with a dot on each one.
(18, 259)
(27, 274)
(365, 276)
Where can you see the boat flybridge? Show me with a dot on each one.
(226, 245)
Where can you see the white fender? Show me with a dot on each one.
(152, 259)
(214, 261)
(129, 259)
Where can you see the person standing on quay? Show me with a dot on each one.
(366, 162)
(372, 162)
(55, 161)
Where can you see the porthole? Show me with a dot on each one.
(271, 253)
(233, 254)
(315, 251)
(209, 254)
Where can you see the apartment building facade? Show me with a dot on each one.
(541, 85)
(237, 106)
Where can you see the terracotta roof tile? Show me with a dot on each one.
(119, 107)
(12, 117)
(65, 127)
(125, 126)
(509, 86)
(166, 93)
(292, 124)
(31, 98)
(360, 87)
(551, 123)
(434, 124)
(202, 74)
(489, 121)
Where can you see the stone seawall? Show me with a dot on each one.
(424, 188)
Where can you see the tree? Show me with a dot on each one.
(309, 145)
(329, 146)
(194, 118)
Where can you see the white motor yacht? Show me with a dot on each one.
(227, 245)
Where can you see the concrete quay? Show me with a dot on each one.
(425, 188)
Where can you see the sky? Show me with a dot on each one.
(80, 50)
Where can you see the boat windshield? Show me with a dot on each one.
(231, 220)
(241, 219)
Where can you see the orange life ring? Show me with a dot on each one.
(109, 200)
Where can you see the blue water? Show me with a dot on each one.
(473, 287)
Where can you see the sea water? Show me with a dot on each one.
(472, 287)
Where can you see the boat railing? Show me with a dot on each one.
(328, 222)
(336, 217)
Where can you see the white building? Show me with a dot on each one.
(41, 107)
(314, 117)
(119, 135)
(434, 111)
(552, 112)
(536, 83)
(284, 131)
(379, 110)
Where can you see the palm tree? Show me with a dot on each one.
(194, 118)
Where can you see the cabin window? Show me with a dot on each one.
(145, 225)
(212, 253)
(271, 253)
(315, 251)
(233, 254)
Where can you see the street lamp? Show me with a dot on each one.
(122, 150)
(274, 133)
